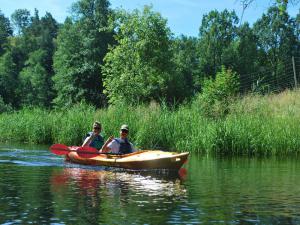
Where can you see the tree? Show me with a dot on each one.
(20, 19)
(81, 46)
(5, 31)
(246, 59)
(217, 32)
(139, 68)
(4, 107)
(8, 79)
(33, 81)
(281, 4)
(67, 65)
(186, 64)
(297, 32)
(277, 41)
(32, 52)
(48, 32)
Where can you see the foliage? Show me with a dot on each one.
(255, 125)
(145, 62)
(186, 67)
(217, 32)
(281, 4)
(32, 51)
(20, 20)
(5, 31)
(81, 45)
(247, 53)
(33, 81)
(38, 125)
(277, 42)
(218, 93)
(138, 68)
(8, 79)
(4, 107)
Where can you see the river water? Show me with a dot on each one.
(37, 187)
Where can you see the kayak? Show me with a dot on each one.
(140, 160)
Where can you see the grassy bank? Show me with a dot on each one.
(255, 125)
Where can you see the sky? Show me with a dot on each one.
(184, 16)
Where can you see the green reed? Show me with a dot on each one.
(255, 125)
(43, 126)
(262, 125)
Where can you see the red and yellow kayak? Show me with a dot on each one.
(146, 159)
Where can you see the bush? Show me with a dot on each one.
(217, 94)
(4, 107)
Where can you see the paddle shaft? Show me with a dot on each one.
(85, 152)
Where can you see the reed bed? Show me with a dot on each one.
(255, 125)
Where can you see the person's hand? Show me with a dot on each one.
(94, 134)
(104, 147)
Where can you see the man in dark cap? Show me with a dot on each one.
(119, 145)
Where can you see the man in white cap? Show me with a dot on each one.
(119, 145)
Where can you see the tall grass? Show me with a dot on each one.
(263, 125)
(255, 125)
(42, 126)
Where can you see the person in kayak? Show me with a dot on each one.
(94, 138)
(119, 145)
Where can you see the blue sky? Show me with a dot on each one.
(184, 16)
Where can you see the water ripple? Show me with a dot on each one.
(29, 157)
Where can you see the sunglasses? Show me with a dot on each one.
(124, 131)
(97, 128)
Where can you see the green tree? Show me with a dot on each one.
(32, 51)
(139, 68)
(20, 20)
(217, 32)
(8, 79)
(5, 31)
(246, 59)
(33, 80)
(277, 41)
(66, 65)
(4, 107)
(186, 64)
(47, 32)
(297, 33)
(81, 46)
(281, 4)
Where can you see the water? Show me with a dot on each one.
(37, 187)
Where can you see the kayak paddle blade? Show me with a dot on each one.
(59, 149)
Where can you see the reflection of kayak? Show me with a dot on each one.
(146, 159)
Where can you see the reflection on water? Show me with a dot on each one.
(37, 187)
(115, 192)
(144, 181)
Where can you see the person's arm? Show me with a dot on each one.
(133, 149)
(88, 140)
(104, 147)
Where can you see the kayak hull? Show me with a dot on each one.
(141, 160)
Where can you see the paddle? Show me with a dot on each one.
(85, 152)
